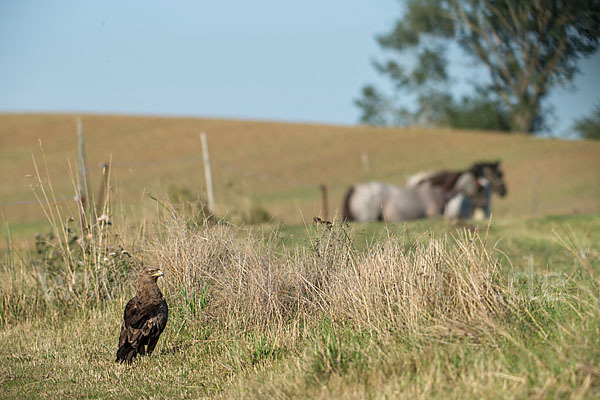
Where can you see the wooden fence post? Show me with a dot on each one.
(534, 192)
(207, 174)
(366, 166)
(103, 193)
(83, 187)
(323, 188)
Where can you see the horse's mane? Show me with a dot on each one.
(478, 167)
(445, 179)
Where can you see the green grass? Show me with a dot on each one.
(517, 238)
(546, 347)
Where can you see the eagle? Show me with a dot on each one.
(144, 319)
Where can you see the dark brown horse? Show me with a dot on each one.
(447, 179)
(489, 178)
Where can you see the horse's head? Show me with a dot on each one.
(493, 174)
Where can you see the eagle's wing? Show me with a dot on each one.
(131, 320)
(155, 325)
(141, 321)
(128, 338)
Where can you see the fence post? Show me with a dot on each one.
(323, 188)
(207, 174)
(533, 192)
(103, 192)
(367, 168)
(83, 187)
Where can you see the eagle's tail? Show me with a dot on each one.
(126, 353)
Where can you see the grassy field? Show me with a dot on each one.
(288, 309)
(277, 166)
(423, 310)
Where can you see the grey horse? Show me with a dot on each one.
(377, 201)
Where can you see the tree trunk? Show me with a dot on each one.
(524, 115)
(522, 122)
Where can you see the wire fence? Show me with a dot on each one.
(261, 176)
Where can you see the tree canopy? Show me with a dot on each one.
(589, 127)
(527, 47)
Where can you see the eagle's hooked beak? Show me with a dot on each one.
(158, 273)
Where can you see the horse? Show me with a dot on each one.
(377, 201)
(477, 204)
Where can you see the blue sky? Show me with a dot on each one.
(263, 59)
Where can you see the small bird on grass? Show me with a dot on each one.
(144, 319)
(318, 220)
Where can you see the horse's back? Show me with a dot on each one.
(418, 178)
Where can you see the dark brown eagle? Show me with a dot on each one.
(144, 319)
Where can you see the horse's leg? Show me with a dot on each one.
(482, 207)
(453, 206)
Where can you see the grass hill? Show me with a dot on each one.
(279, 166)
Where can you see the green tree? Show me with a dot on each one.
(528, 47)
(589, 127)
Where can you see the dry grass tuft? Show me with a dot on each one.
(240, 281)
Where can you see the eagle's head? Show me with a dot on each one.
(153, 272)
(150, 274)
(147, 280)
